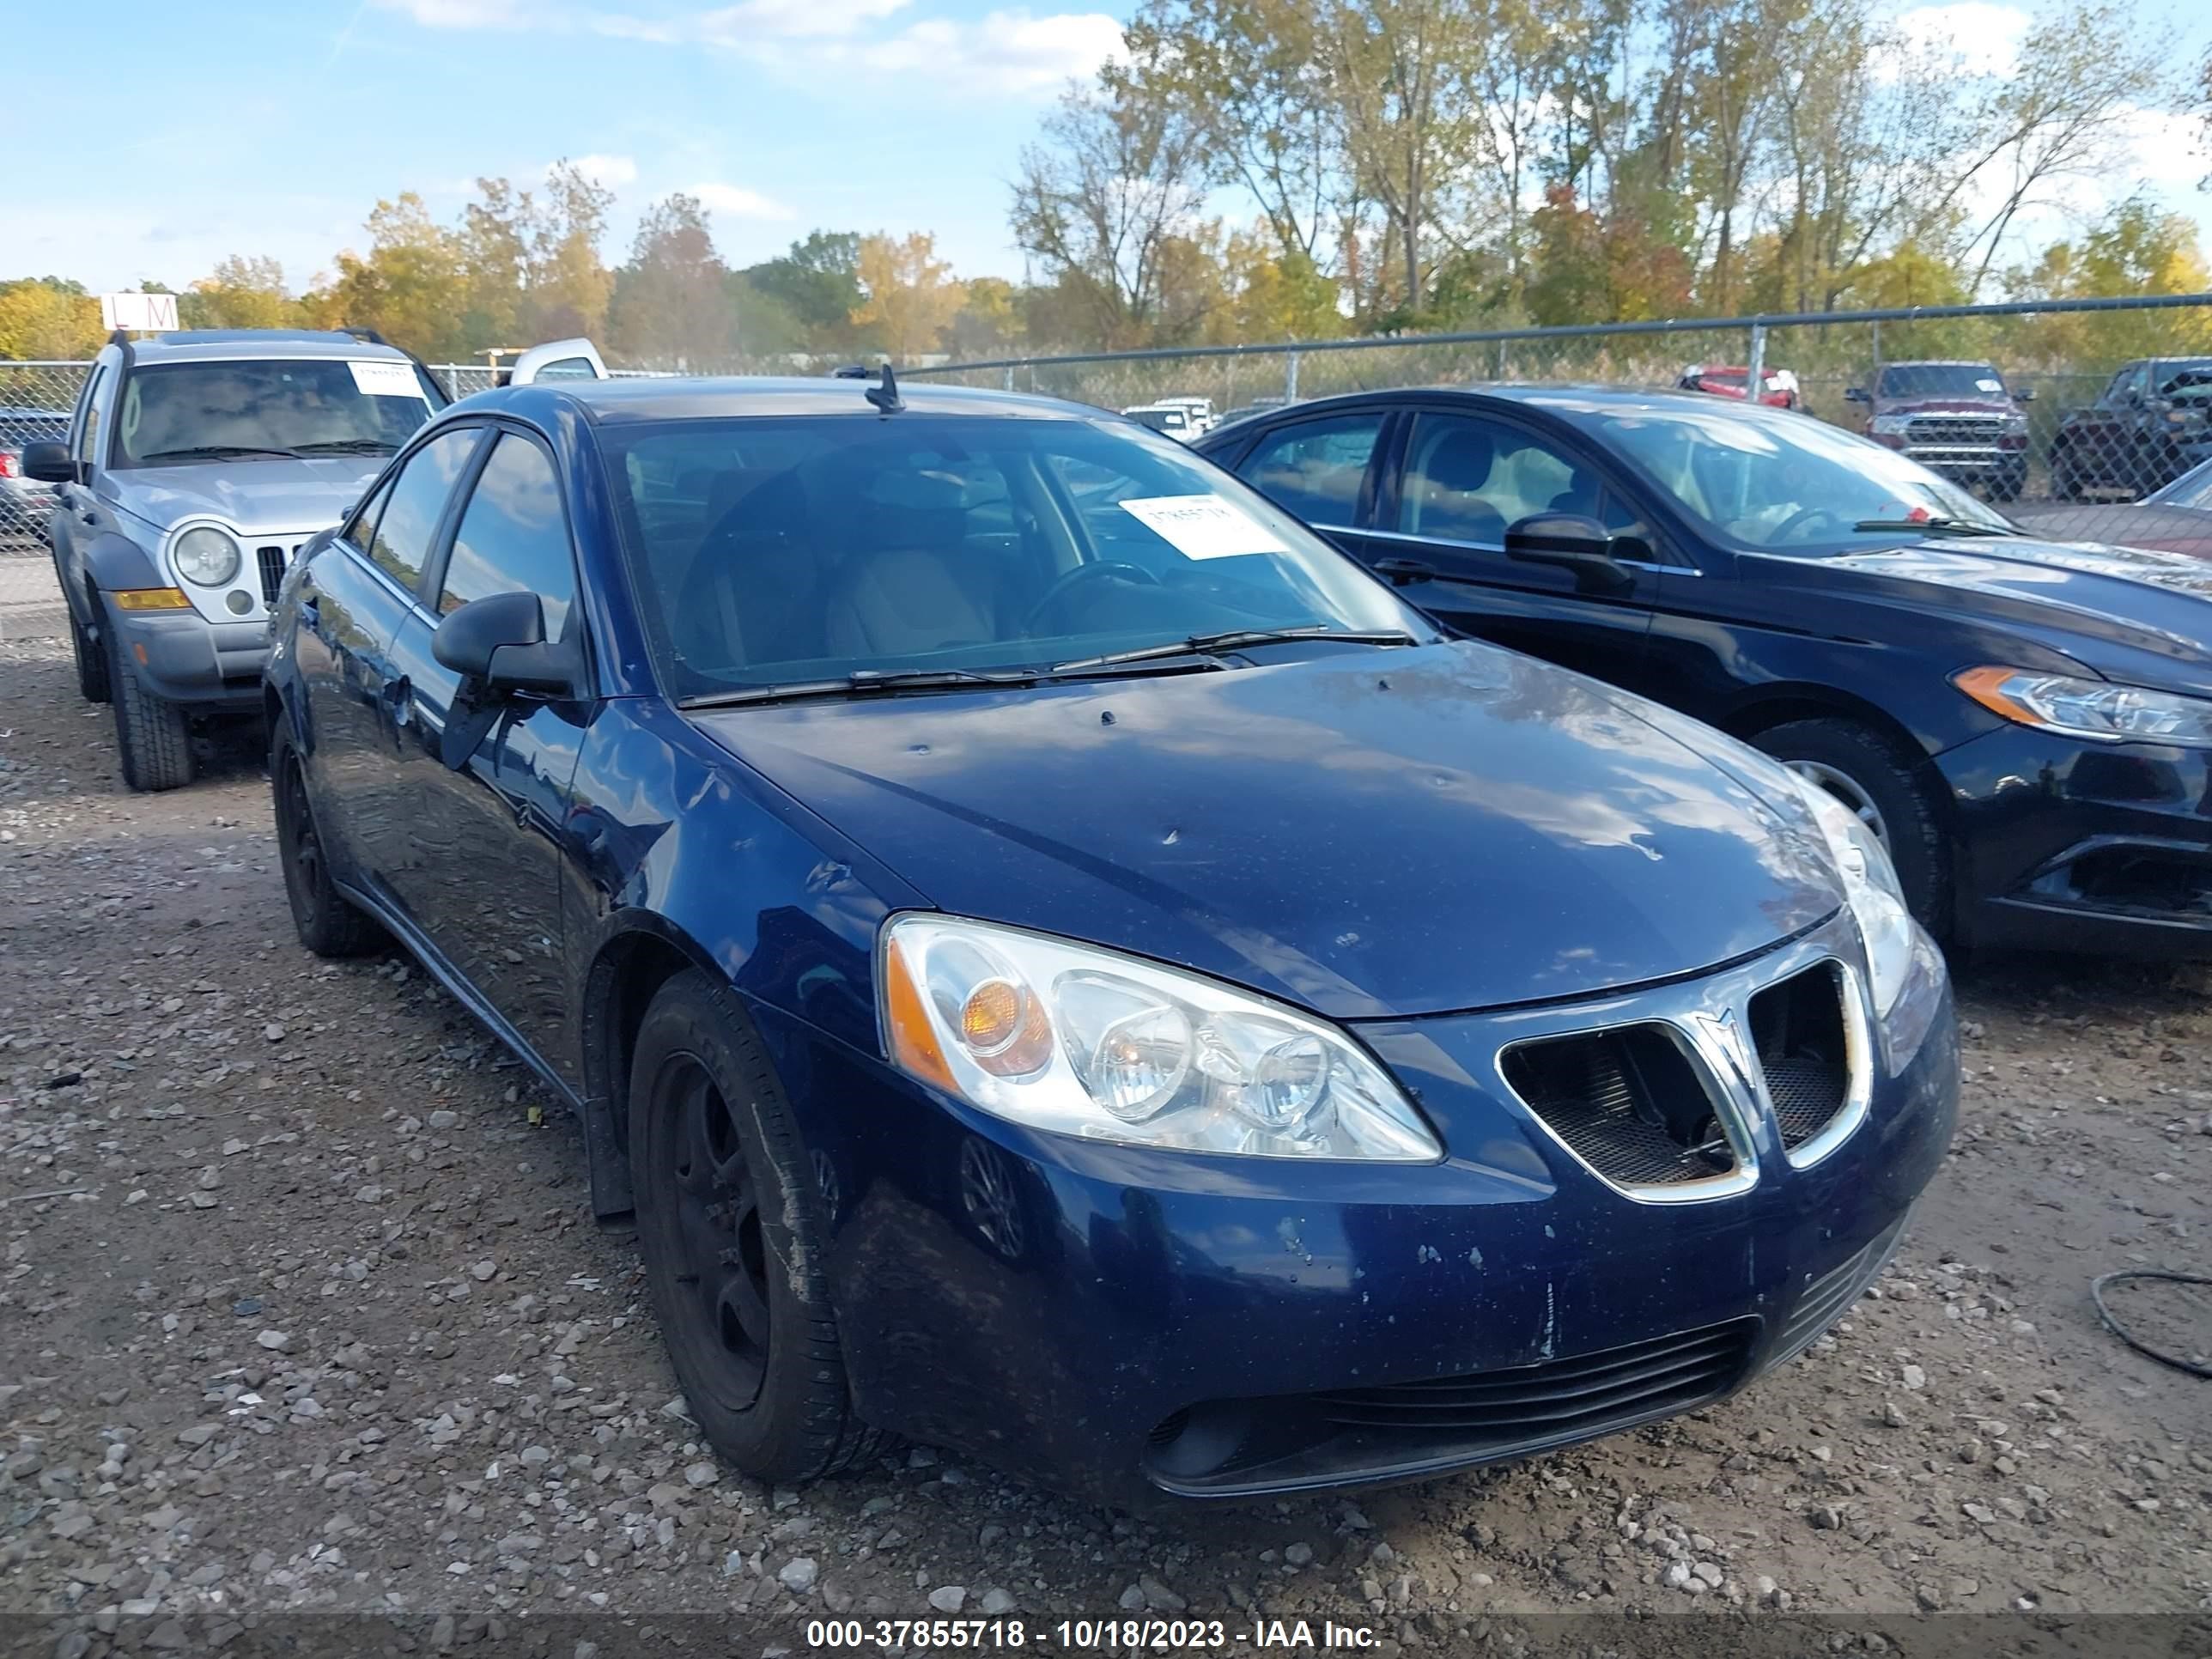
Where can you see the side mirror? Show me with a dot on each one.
(1572, 542)
(2023, 394)
(1855, 395)
(499, 642)
(51, 463)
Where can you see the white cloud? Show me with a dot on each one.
(609, 172)
(739, 203)
(1984, 38)
(467, 14)
(2164, 148)
(751, 20)
(1008, 53)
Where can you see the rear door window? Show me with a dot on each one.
(415, 503)
(1316, 468)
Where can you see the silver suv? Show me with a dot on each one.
(196, 465)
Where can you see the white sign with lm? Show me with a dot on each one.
(141, 313)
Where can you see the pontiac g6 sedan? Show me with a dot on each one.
(1065, 965)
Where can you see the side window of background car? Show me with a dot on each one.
(511, 538)
(1313, 470)
(1467, 479)
(415, 501)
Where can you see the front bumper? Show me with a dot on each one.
(1112, 1320)
(2089, 847)
(182, 658)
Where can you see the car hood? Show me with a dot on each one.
(2104, 606)
(2154, 527)
(250, 495)
(1383, 833)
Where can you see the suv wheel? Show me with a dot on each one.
(1880, 786)
(2064, 486)
(91, 683)
(728, 1221)
(327, 921)
(153, 737)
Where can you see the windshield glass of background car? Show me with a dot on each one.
(282, 404)
(1784, 485)
(1971, 381)
(775, 551)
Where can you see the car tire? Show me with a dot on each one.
(2064, 486)
(723, 1184)
(329, 923)
(153, 737)
(92, 680)
(1867, 772)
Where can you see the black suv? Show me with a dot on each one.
(2149, 425)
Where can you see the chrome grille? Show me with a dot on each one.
(1798, 1028)
(1955, 429)
(272, 561)
(1628, 1102)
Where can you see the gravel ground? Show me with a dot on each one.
(302, 1312)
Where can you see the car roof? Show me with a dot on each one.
(237, 345)
(635, 400)
(1939, 362)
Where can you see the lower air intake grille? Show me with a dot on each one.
(1827, 1298)
(1797, 1027)
(1627, 1101)
(272, 560)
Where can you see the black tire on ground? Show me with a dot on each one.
(328, 922)
(2064, 486)
(91, 664)
(153, 737)
(729, 1223)
(1842, 752)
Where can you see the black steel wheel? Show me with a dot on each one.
(730, 1222)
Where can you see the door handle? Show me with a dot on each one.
(310, 612)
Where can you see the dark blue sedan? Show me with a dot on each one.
(1063, 964)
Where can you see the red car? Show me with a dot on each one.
(2175, 519)
(1729, 381)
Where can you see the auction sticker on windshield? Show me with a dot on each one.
(1204, 527)
(386, 381)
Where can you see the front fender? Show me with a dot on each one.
(117, 564)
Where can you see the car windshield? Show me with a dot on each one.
(1784, 485)
(774, 551)
(2183, 375)
(185, 413)
(1976, 381)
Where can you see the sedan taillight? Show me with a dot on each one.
(7, 467)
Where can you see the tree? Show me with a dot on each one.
(909, 294)
(239, 292)
(570, 288)
(47, 318)
(1118, 174)
(412, 286)
(671, 307)
(990, 320)
(1279, 294)
(495, 239)
(817, 286)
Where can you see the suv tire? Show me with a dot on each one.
(92, 681)
(730, 1222)
(153, 737)
(1848, 759)
(329, 923)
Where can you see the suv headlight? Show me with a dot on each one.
(1893, 425)
(1088, 1042)
(2097, 709)
(205, 555)
(1871, 889)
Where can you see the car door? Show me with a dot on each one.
(80, 512)
(1320, 469)
(1458, 482)
(353, 597)
(489, 778)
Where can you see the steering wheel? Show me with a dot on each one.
(1068, 582)
(1782, 531)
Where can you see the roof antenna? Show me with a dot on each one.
(886, 396)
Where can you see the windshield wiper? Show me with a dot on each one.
(215, 452)
(1236, 639)
(1937, 526)
(862, 680)
(347, 447)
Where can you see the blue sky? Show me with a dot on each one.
(273, 127)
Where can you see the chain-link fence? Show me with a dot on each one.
(2069, 412)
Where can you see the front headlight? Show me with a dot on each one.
(1087, 1041)
(205, 555)
(1871, 889)
(2097, 709)
(1893, 425)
